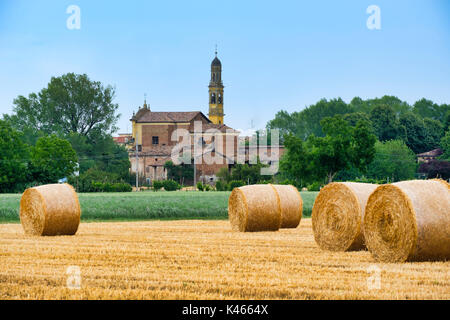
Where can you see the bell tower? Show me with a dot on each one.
(216, 92)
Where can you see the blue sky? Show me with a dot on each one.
(275, 54)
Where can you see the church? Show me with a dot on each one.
(153, 131)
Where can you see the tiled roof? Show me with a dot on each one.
(221, 127)
(145, 115)
(432, 153)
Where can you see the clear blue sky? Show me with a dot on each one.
(275, 54)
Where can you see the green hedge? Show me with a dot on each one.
(110, 187)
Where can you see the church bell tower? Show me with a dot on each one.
(216, 92)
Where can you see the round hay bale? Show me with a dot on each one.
(50, 210)
(409, 221)
(254, 208)
(337, 215)
(291, 205)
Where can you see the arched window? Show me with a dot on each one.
(220, 98)
(214, 77)
(213, 98)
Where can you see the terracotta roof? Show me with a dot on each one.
(221, 127)
(145, 115)
(433, 153)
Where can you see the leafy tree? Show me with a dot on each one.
(13, 159)
(52, 158)
(445, 145)
(179, 172)
(435, 132)
(101, 152)
(70, 103)
(386, 124)
(224, 175)
(446, 122)
(428, 109)
(303, 124)
(394, 160)
(297, 164)
(343, 146)
(249, 173)
(323, 157)
(416, 133)
(366, 106)
(355, 117)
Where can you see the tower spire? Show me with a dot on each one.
(145, 101)
(216, 92)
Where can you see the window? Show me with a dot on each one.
(213, 98)
(155, 140)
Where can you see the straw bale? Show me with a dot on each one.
(50, 210)
(254, 208)
(409, 221)
(337, 215)
(291, 205)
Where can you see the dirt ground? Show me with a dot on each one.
(201, 260)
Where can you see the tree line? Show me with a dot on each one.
(372, 140)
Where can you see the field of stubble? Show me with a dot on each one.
(201, 260)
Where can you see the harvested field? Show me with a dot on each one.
(201, 260)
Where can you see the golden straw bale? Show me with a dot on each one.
(254, 208)
(291, 205)
(337, 215)
(50, 210)
(409, 221)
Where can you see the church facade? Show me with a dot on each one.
(155, 134)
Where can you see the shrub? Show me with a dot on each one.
(110, 187)
(207, 187)
(171, 185)
(157, 185)
(200, 186)
(235, 184)
(221, 186)
(315, 186)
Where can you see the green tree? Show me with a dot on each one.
(52, 158)
(321, 158)
(445, 145)
(435, 132)
(180, 172)
(428, 109)
(386, 124)
(416, 133)
(249, 173)
(297, 164)
(355, 117)
(13, 159)
(70, 103)
(99, 151)
(306, 122)
(394, 160)
(366, 106)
